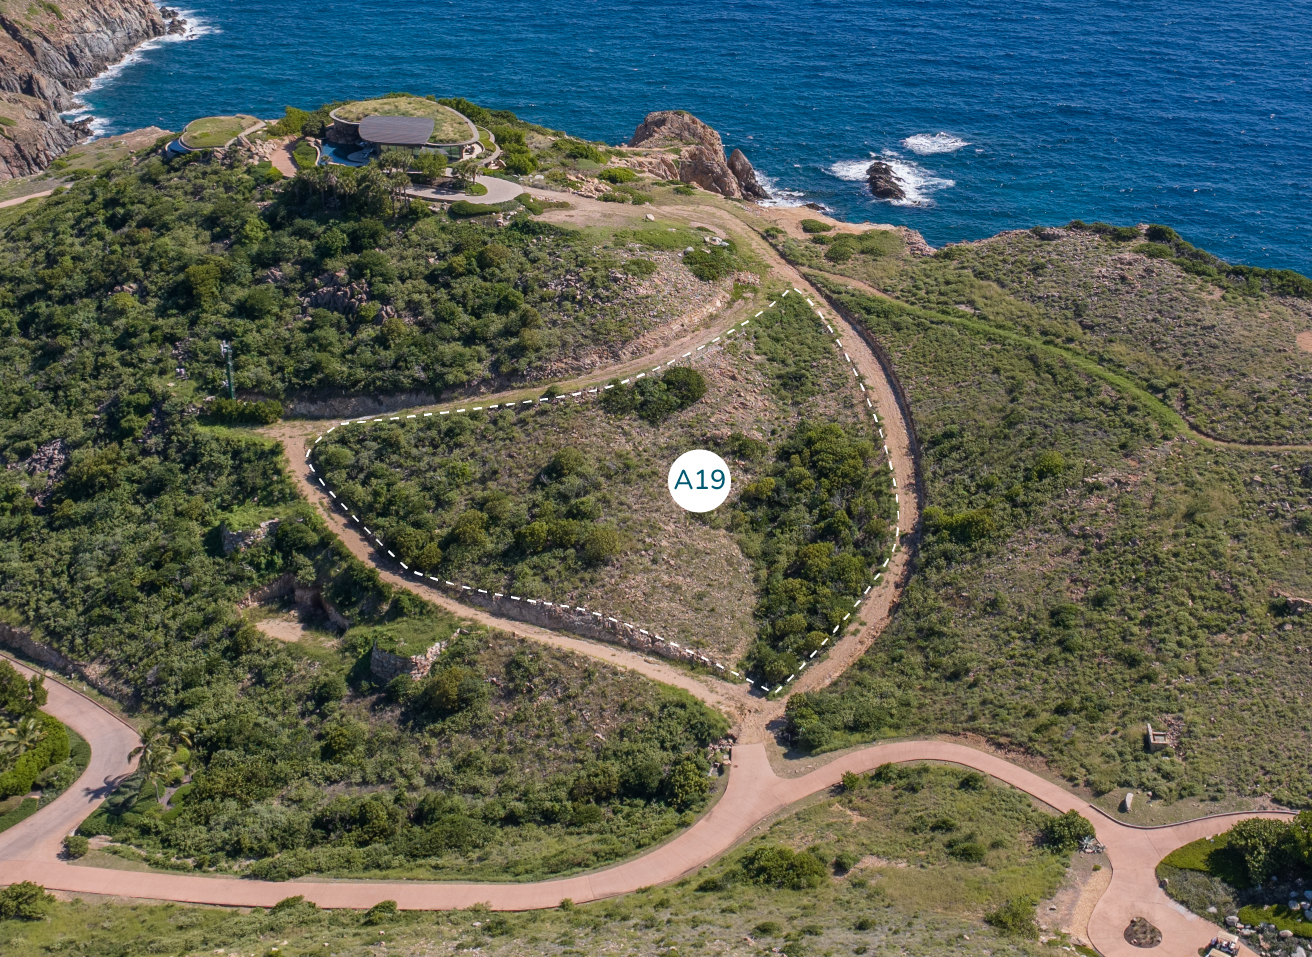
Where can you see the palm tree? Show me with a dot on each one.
(21, 737)
(466, 170)
(157, 757)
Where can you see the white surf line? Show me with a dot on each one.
(594, 391)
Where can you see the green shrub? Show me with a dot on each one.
(244, 412)
(381, 913)
(816, 226)
(781, 867)
(1264, 846)
(1154, 250)
(6, 121)
(75, 845)
(291, 124)
(53, 748)
(24, 901)
(579, 150)
(305, 155)
(1015, 918)
(614, 197)
(1064, 833)
(656, 398)
(710, 265)
(617, 174)
(1123, 234)
(463, 209)
(642, 268)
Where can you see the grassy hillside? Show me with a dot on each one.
(1083, 572)
(567, 502)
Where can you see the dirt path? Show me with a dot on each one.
(754, 793)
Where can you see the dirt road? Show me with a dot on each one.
(754, 794)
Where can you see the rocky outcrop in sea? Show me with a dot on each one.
(702, 160)
(49, 53)
(882, 182)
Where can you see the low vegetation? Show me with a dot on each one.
(213, 131)
(1082, 573)
(906, 859)
(566, 502)
(1256, 872)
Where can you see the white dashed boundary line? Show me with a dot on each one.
(588, 393)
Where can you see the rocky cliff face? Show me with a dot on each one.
(49, 51)
(701, 154)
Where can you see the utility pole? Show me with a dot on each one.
(225, 350)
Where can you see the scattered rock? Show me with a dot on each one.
(1140, 933)
(882, 182)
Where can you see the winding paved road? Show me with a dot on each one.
(754, 793)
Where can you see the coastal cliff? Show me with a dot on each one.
(48, 52)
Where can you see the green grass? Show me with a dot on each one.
(1277, 914)
(448, 125)
(213, 131)
(1196, 856)
(26, 808)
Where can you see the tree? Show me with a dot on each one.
(158, 762)
(431, 166)
(466, 171)
(1258, 842)
(17, 739)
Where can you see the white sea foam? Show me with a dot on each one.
(923, 144)
(916, 181)
(196, 28)
(779, 196)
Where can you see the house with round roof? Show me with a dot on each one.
(362, 129)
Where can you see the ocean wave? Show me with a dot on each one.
(779, 196)
(923, 144)
(916, 181)
(196, 28)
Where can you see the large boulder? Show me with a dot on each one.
(745, 173)
(705, 167)
(882, 181)
(701, 154)
(675, 128)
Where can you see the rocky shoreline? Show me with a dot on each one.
(47, 55)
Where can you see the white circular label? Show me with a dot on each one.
(699, 481)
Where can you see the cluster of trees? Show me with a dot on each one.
(436, 522)
(656, 398)
(1268, 847)
(821, 511)
(30, 741)
(151, 265)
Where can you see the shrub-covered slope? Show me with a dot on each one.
(1082, 573)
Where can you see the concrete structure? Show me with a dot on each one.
(1157, 740)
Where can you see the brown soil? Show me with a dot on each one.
(1304, 340)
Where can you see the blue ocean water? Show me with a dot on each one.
(1196, 114)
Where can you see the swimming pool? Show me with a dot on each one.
(344, 155)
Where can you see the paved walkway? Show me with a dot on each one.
(498, 191)
(754, 794)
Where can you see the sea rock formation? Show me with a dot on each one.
(746, 174)
(702, 159)
(47, 54)
(879, 175)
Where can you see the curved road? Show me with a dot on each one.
(754, 793)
